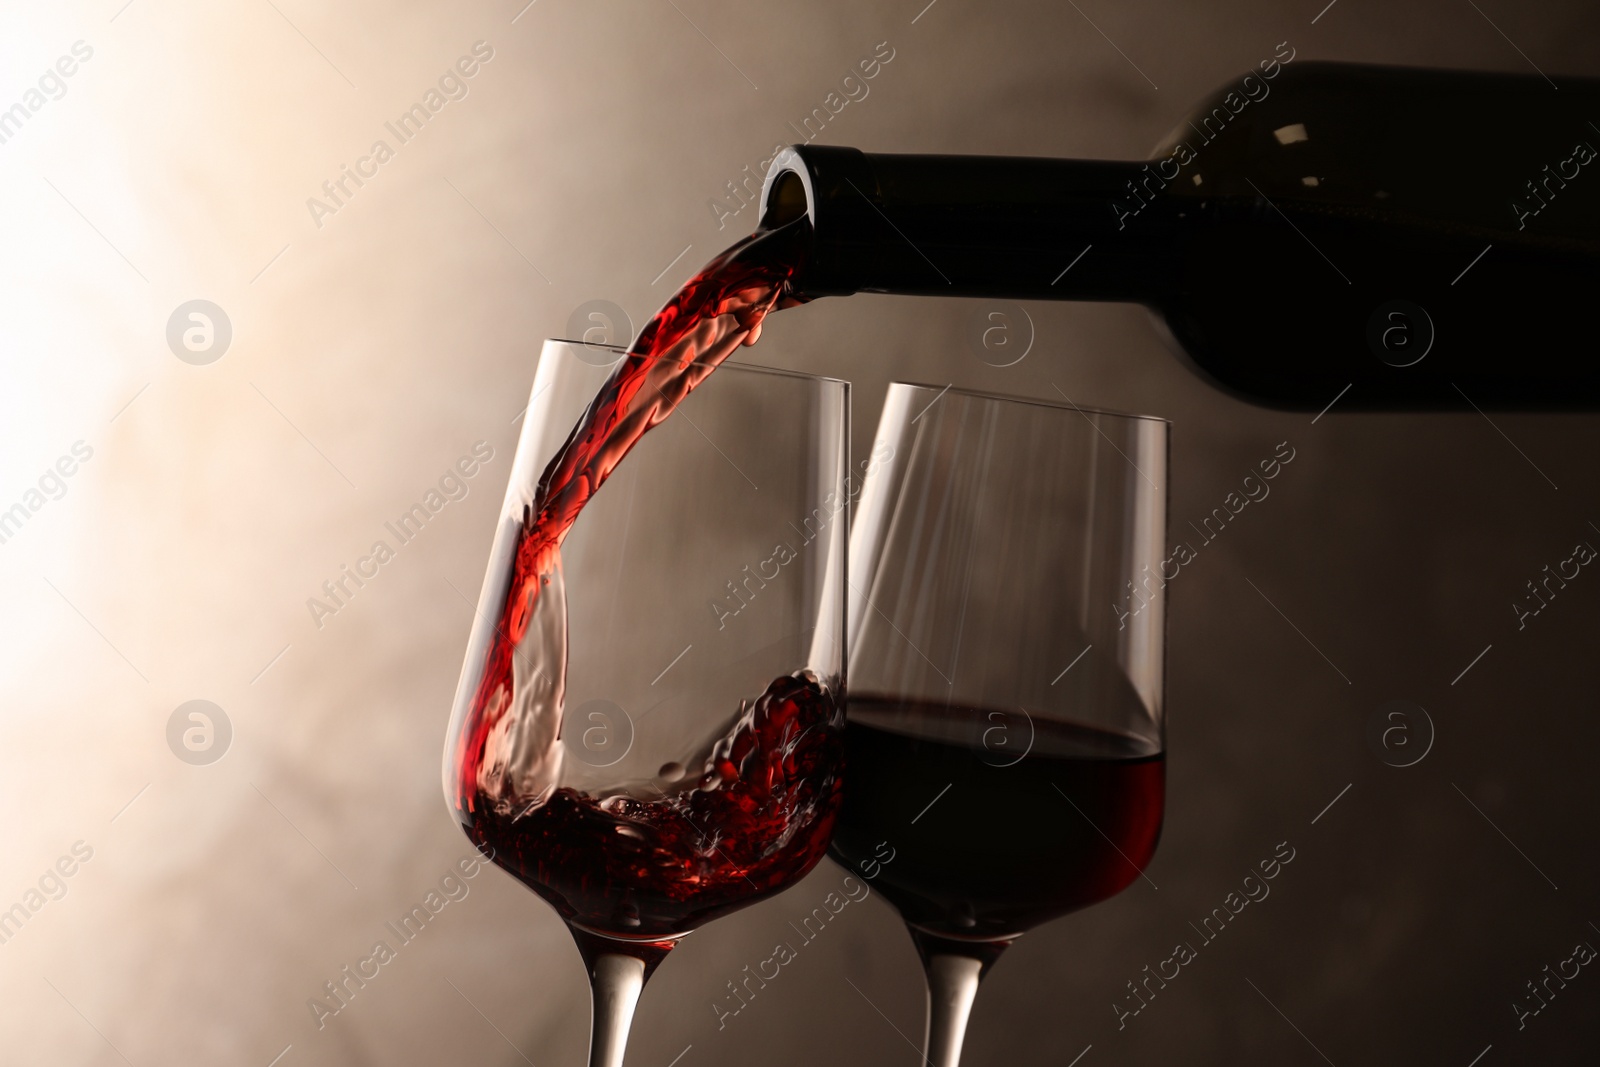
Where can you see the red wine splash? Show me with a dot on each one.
(643, 861)
(648, 867)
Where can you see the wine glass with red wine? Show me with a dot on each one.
(648, 731)
(1005, 726)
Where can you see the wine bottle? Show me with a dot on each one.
(1398, 238)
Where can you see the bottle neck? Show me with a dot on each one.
(992, 226)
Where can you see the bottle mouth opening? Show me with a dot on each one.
(786, 200)
(821, 184)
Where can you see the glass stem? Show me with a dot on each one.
(615, 981)
(954, 969)
(618, 970)
(952, 987)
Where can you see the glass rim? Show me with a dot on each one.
(780, 371)
(979, 394)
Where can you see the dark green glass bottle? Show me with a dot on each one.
(1411, 239)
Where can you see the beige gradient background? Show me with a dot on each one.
(368, 354)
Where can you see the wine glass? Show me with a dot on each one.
(1005, 727)
(649, 734)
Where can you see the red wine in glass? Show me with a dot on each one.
(1017, 820)
(632, 866)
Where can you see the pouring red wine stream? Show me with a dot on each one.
(645, 863)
